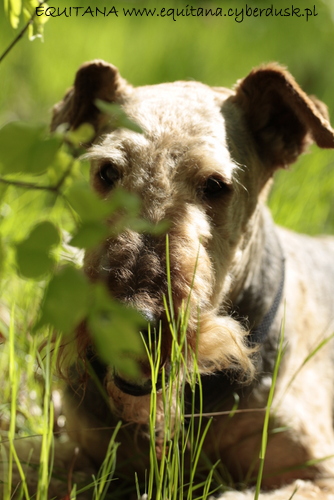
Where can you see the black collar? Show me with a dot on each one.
(255, 309)
(260, 332)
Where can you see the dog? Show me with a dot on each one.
(205, 163)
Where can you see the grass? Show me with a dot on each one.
(302, 198)
(165, 477)
(267, 415)
(168, 477)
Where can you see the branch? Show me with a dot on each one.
(28, 185)
(21, 33)
(32, 185)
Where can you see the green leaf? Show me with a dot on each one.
(90, 234)
(25, 148)
(144, 226)
(2, 258)
(3, 190)
(90, 207)
(13, 10)
(36, 28)
(93, 212)
(33, 253)
(81, 135)
(119, 119)
(116, 331)
(120, 198)
(66, 300)
(86, 203)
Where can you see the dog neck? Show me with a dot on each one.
(258, 286)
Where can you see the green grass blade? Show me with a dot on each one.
(267, 414)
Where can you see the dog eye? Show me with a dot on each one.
(108, 174)
(214, 187)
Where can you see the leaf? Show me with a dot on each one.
(94, 212)
(116, 331)
(120, 198)
(33, 253)
(81, 135)
(90, 234)
(90, 207)
(66, 300)
(13, 10)
(25, 148)
(144, 226)
(36, 28)
(119, 118)
(2, 258)
(3, 190)
(86, 203)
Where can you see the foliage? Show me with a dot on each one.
(44, 190)
(68, 298)
(16, 9)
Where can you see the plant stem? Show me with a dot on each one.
(267, 414)
(28, 185)
(40, 187)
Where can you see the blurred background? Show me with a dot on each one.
(215, 50)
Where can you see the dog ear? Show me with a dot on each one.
(94, 80)
(281, 117)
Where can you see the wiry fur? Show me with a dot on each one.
(226, 260)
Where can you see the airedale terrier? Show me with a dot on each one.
(205, 163)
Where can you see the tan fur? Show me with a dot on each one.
(226, 260)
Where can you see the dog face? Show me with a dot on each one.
(203, 164)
